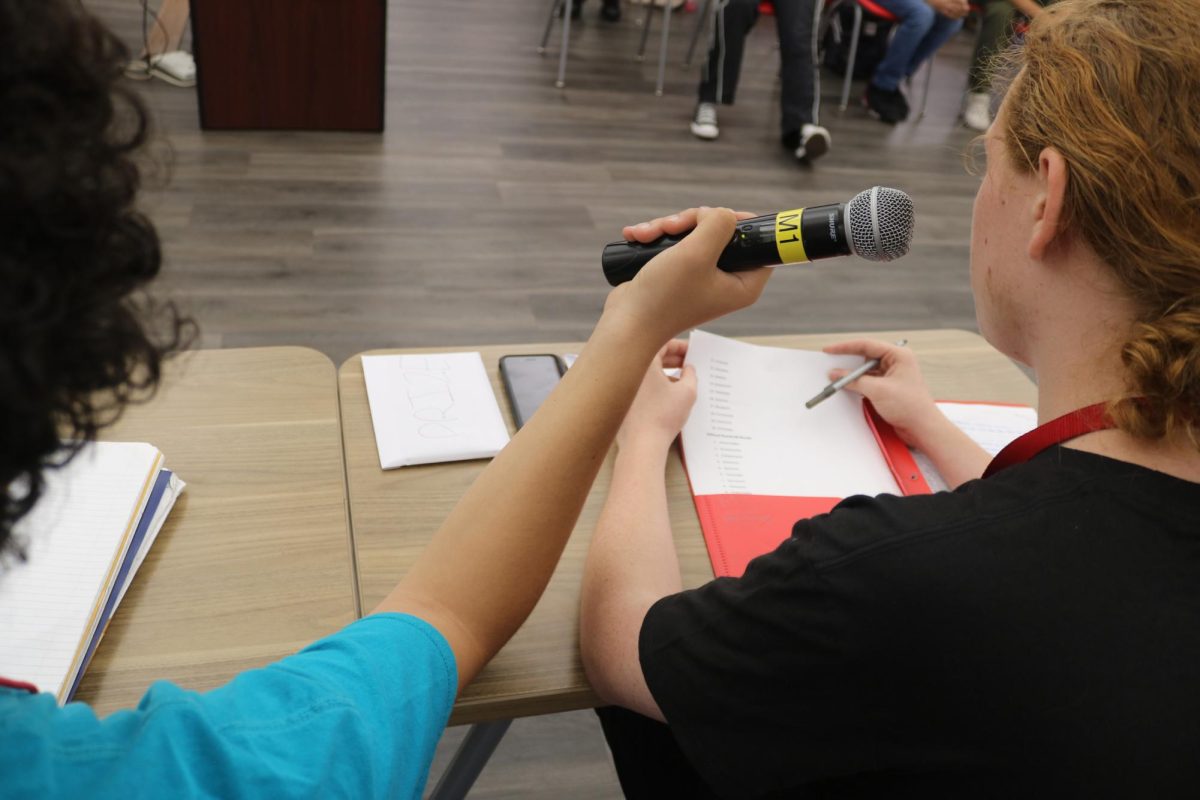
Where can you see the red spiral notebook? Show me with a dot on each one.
(758, 461)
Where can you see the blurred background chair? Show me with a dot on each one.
(562, 9)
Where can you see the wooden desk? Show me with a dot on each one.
(254, 561)
(395, 513)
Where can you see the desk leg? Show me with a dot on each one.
(469, 761)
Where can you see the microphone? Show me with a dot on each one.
(876, 224)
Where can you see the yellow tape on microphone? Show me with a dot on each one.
(788, 240)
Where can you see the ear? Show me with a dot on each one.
(1048, 209)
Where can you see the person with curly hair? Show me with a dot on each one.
(1032, 633)
(76, 251)
(358, 713)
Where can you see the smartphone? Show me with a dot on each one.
(528, 380)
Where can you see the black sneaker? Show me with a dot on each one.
(611, 11)
(887, 105)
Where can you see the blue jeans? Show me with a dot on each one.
(919, 34)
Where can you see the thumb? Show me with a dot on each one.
(687, 376)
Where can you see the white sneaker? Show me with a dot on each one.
(176, 68)
(814, 142)
(704, 124)
(977, 112)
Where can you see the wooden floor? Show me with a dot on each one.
(479, 215)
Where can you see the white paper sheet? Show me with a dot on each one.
(991, 426)
(749, 432)
(432, 408)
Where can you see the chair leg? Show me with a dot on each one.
(858, 15)
(555, 5)
(701, 25)
(928, 83)
(641, 53)
(566, 42)
(662, 50)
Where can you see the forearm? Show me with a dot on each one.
(631, 564)
(957, 457)
(488, 564)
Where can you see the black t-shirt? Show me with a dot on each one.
(1033, 634)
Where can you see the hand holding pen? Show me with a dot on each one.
(847, 378)
(892, 380)
(840, 377)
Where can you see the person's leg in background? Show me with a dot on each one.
(884, 98)
(166, 32)
(162, 56)
(1000, 17)
(995, 30)
(924, 26)
(942, 29)
(800, 93)
(719, 76)
(939, 33)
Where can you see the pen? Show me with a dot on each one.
(848, 378)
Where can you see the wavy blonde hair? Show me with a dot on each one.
(1114, 86)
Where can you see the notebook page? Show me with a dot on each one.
(749, 432)
(989, 426)
(75, 538)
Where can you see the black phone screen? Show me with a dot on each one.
(529, 381)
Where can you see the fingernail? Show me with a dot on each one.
(643, 226)
(673, 218)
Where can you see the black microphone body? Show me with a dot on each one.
(876, 225)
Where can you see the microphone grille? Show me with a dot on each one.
(881, 223)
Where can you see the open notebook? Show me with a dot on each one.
(758, 460)
(84, 541)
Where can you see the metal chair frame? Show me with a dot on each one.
(567, 6)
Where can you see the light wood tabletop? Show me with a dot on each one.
(394, 513)
(254, 561)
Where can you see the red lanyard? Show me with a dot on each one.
(28, 687)
(1056, 431)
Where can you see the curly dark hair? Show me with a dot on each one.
(76, 339)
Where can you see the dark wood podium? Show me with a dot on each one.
(292, 64)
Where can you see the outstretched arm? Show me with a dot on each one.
(899, 394)
(488, 564)
(632, 563)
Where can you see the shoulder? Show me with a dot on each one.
(357, 713)
(1014, 501)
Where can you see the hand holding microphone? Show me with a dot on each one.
(682, 289)
(875, 224)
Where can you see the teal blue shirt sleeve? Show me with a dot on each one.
(356, 714)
